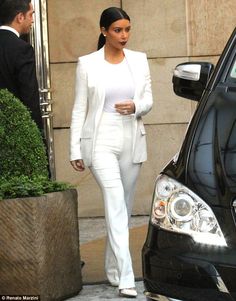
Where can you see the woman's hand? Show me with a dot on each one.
(78, 165)
(125, 107)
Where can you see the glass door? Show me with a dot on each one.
(39, 40)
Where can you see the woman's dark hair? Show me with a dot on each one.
(10, 8)
(108, 16)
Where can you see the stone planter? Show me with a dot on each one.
(39, 246)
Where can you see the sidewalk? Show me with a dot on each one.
(91, 229)
(104, 292)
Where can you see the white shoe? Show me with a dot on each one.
(128, 292)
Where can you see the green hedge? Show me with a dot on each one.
(23, 160)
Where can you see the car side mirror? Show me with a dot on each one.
(190, 79)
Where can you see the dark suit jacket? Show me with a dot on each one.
(17, 72)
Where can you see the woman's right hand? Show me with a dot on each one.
(78, 165)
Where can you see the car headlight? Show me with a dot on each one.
(176, 208)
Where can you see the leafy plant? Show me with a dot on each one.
(23, 159)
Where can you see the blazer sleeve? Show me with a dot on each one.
(27, 81)
(144, 104)
(79, 111)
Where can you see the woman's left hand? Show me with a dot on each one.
(125, 107)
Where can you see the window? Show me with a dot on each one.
(231, 76)
(233, 70)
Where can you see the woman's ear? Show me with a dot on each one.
(103, 31)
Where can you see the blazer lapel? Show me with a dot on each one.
(133, 69)
(99, 69)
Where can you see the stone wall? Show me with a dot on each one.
(170, 32)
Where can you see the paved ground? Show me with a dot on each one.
(105, 292)
(90, 229)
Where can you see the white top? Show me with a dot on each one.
(10, 29)
(119, 85)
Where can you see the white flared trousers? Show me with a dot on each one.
(116, 174)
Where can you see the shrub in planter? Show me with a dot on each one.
(39, 240)
(23, 160)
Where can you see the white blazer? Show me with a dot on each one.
(89, 103)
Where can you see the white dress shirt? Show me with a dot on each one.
(10, 29)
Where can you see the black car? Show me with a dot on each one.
(190, 249)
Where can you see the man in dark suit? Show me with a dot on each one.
(17, 58)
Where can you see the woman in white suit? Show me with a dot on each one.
(113, 92)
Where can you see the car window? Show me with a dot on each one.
(232, 74)
(213, 155)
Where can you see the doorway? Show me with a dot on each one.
(39, 40)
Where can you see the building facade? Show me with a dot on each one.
(170, 32)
